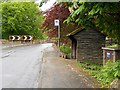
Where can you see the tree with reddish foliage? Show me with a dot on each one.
(61, 12)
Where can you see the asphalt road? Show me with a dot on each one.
(21, 66)
(38, 66)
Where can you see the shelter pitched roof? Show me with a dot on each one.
(79, 30)
(74, 32)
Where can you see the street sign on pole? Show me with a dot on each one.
(56, 22)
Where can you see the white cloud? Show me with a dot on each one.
(48, 5)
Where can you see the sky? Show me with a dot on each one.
(47, 5)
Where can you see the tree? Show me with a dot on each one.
(58, 11)
(16, 0)
(21, 18)
(101, 15)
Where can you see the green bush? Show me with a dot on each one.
(104, 74)
(21, 18)
(65, 49)
(90, 66)
(108, 73)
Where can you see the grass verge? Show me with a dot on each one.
(104, 74)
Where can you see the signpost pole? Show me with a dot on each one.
(59, 36)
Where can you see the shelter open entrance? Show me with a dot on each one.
(74, 47)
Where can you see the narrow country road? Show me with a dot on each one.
(21, 66)
(38, 66)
